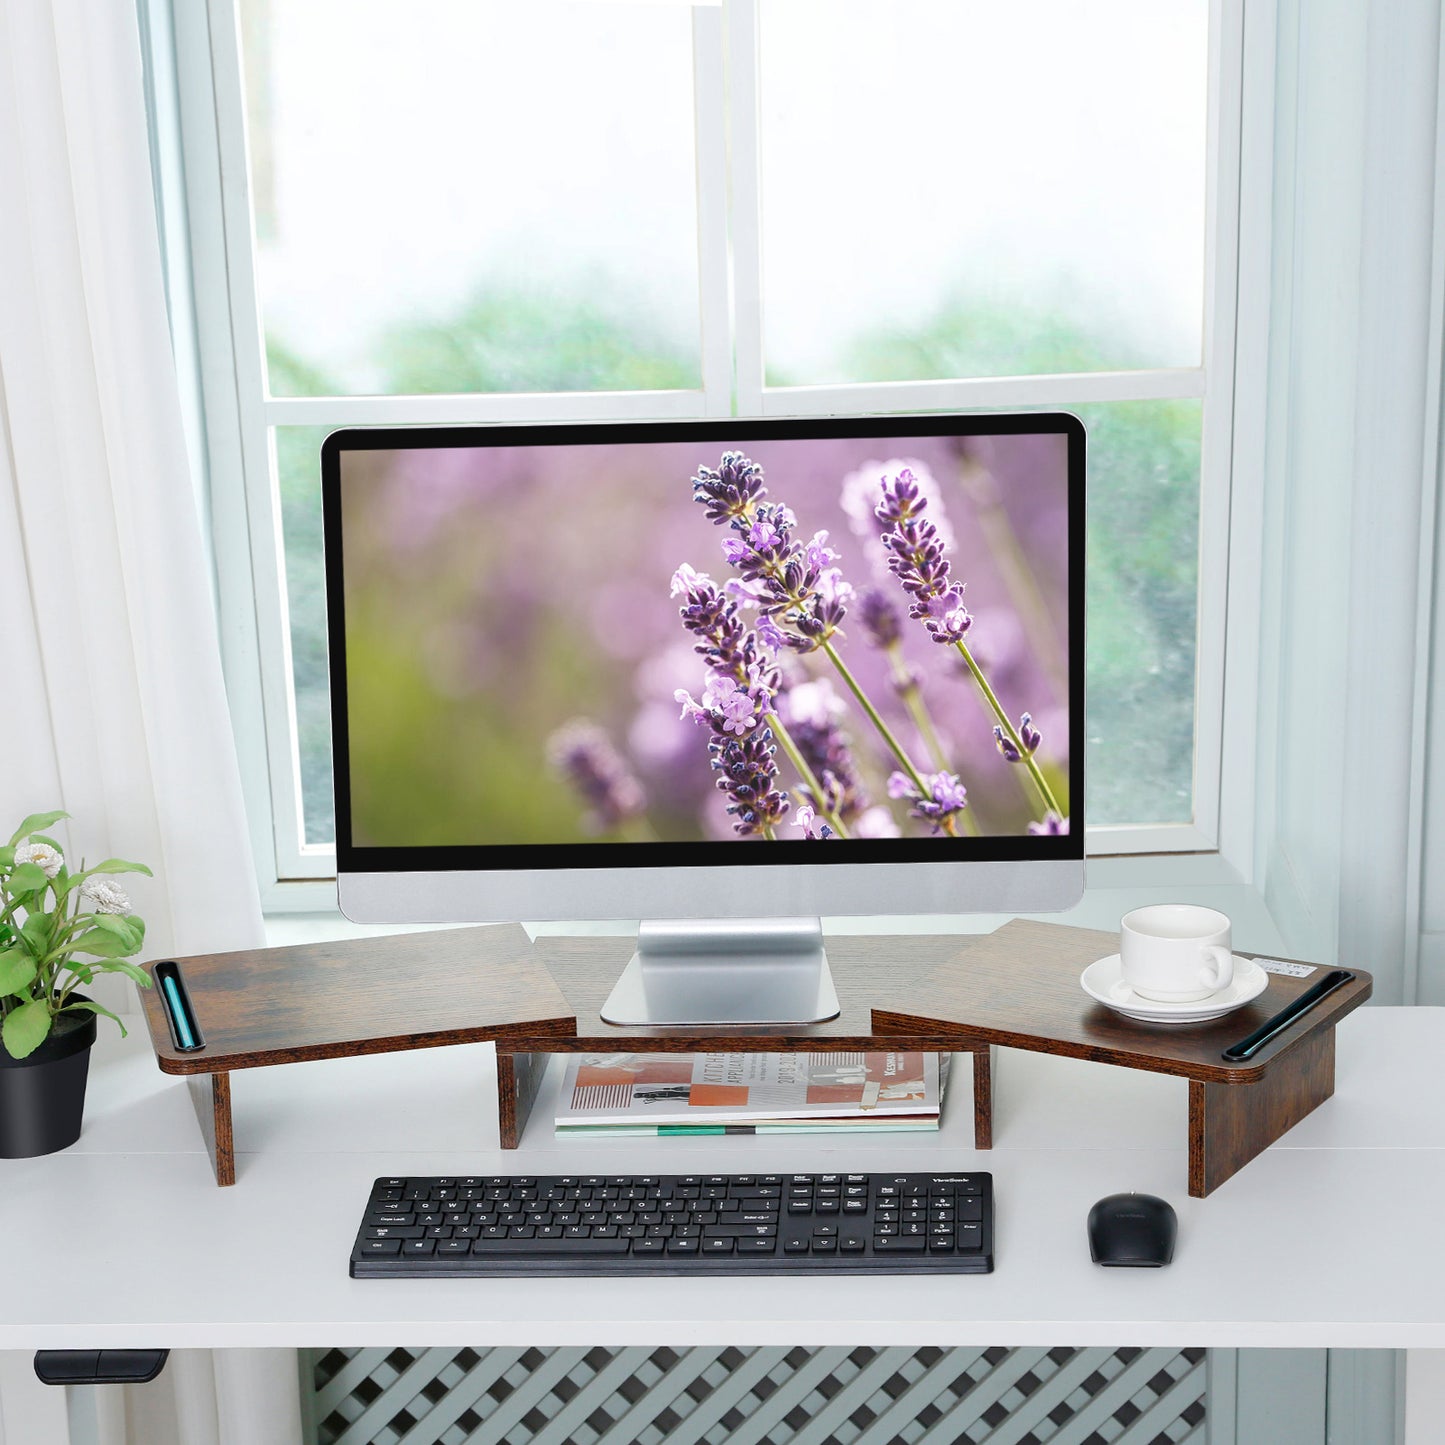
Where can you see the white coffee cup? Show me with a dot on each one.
(1175, 952)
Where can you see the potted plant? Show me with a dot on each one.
(58, 930)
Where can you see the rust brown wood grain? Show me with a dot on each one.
(519, 1076)
(1228, 1127)
(1020, 987)
(211, 1098)
(361, 996)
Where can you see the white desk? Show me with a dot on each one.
(1333, 1237)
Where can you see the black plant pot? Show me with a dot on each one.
(42, 1096)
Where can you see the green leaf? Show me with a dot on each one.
(17, 971)
(26, 1028)
(33, 824)
(118, 865)
(27, 878)
(86, 1006)
(35, 933)
(131, 970)
(122, 925)
(102, 944)
(7, 856)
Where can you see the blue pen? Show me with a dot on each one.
(178, 1013)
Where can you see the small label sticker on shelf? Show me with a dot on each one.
(1292, 970)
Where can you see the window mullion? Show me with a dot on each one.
(745, 189)
(994, 393)
(709, 68)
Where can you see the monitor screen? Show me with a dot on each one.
(706, 644)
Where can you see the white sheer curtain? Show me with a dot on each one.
(114, 702)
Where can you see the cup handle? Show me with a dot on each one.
(1223, 971)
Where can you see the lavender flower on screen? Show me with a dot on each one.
(863, 490)
(812, 825)
(583, 754)
(1051, 826)
(727, 644)
(945, 799)
(741, 751)
(1028, 735)
(814, 713)
(882, 625)
(792, 583)
(748, 773)
(918, 558)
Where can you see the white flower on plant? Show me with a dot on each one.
(105, 895)
(49, 860)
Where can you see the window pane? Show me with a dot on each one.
(456, 196)
(981, 189)
(298, 472)
(1143, 592)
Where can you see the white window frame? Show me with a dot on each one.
(238, 415)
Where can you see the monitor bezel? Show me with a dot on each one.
(370, 859)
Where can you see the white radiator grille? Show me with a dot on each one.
(833, 1396)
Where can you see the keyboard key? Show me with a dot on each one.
(380, 1246)
(680, 1246)
(717, 1245)
(853, 1243)
(798, 1244)
(892, 1244)
(557, 1248)
(757, 1246)
(825, 1246)
(418, 1246)
(454, 1246)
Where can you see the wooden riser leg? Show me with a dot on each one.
(211, 1095)
(983, 1058)
(1230, 1123)
(518, 1078)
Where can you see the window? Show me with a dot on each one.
(485, 211)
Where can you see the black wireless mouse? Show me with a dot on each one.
(1132, 1229)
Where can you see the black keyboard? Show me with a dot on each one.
(687, 1224)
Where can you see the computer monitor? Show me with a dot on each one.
(722, 676)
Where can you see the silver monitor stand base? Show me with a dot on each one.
(725, 971)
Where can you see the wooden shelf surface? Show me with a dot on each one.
(1020, 987)
(361, 996)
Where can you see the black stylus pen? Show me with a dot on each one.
(1248, 1047)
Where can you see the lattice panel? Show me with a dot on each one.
(645, 1396)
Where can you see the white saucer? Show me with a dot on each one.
(1103, 980)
